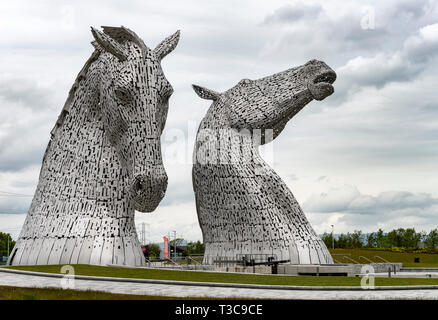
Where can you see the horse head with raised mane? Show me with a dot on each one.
(244, 208)
(270, 102)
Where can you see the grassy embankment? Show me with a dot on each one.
(17, 293)
(427, 260)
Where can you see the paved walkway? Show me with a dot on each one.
(21, 280)
(409, 275)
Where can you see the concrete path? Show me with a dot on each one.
(24, 280)
(409, 275)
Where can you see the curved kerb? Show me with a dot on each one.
(215, 284)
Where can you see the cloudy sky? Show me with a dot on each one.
(364, 158)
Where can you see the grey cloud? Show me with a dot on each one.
(375, 71)
(25, 92)
(371, 223)
(14, 204)
(399, 48)
(322, 35)
(422, 46)
(21, 152)
(408, 9)
(386, 67)
(24, 144)
(180, 217)
(33, 113)
(293, 12)
(390, 129)
(21, 185)
(177, 193)
(390, 220)
(348, 199)
(335, 200)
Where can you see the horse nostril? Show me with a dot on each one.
(139, 186)
(163, 179)
(144, 185)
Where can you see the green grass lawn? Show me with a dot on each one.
(17, 293)
(426, 259)
(226, 277)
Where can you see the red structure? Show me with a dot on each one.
(166, 247)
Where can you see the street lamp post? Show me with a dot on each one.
(174, 245)
(333, 236)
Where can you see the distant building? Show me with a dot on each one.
(181, 249)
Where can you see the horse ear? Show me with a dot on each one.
(205, 93)
(167, 45)
(110, 45)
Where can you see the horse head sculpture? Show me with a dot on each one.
(270, 102)
(103, 161)
(244, 208)
(134, 96)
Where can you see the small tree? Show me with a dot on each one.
(431, 240)
(195, 247)
(343, 241)
(153, 250)
(395, 237)
(4, 237)
(381, 239)
(356, 239)
(409, 238)
(328, 239)
(371, 240)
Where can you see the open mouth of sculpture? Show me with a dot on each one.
(327, 77)
(321, 87)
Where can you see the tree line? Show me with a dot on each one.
(193, 248)
(153, 250)
(4, 244)
(400, 238)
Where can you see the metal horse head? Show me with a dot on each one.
(103, 160)
(270, 102)
(243, 206)
(134, 96)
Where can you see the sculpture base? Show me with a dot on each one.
(87, 250)
(346, 270)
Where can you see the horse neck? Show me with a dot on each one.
(219, 126)
(79, 161)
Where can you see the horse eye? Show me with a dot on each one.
(123, 95)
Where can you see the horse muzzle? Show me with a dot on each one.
(148, 189)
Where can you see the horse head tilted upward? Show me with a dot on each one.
(244, 208)
(103, 161)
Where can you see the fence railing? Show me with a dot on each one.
(384, 260)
